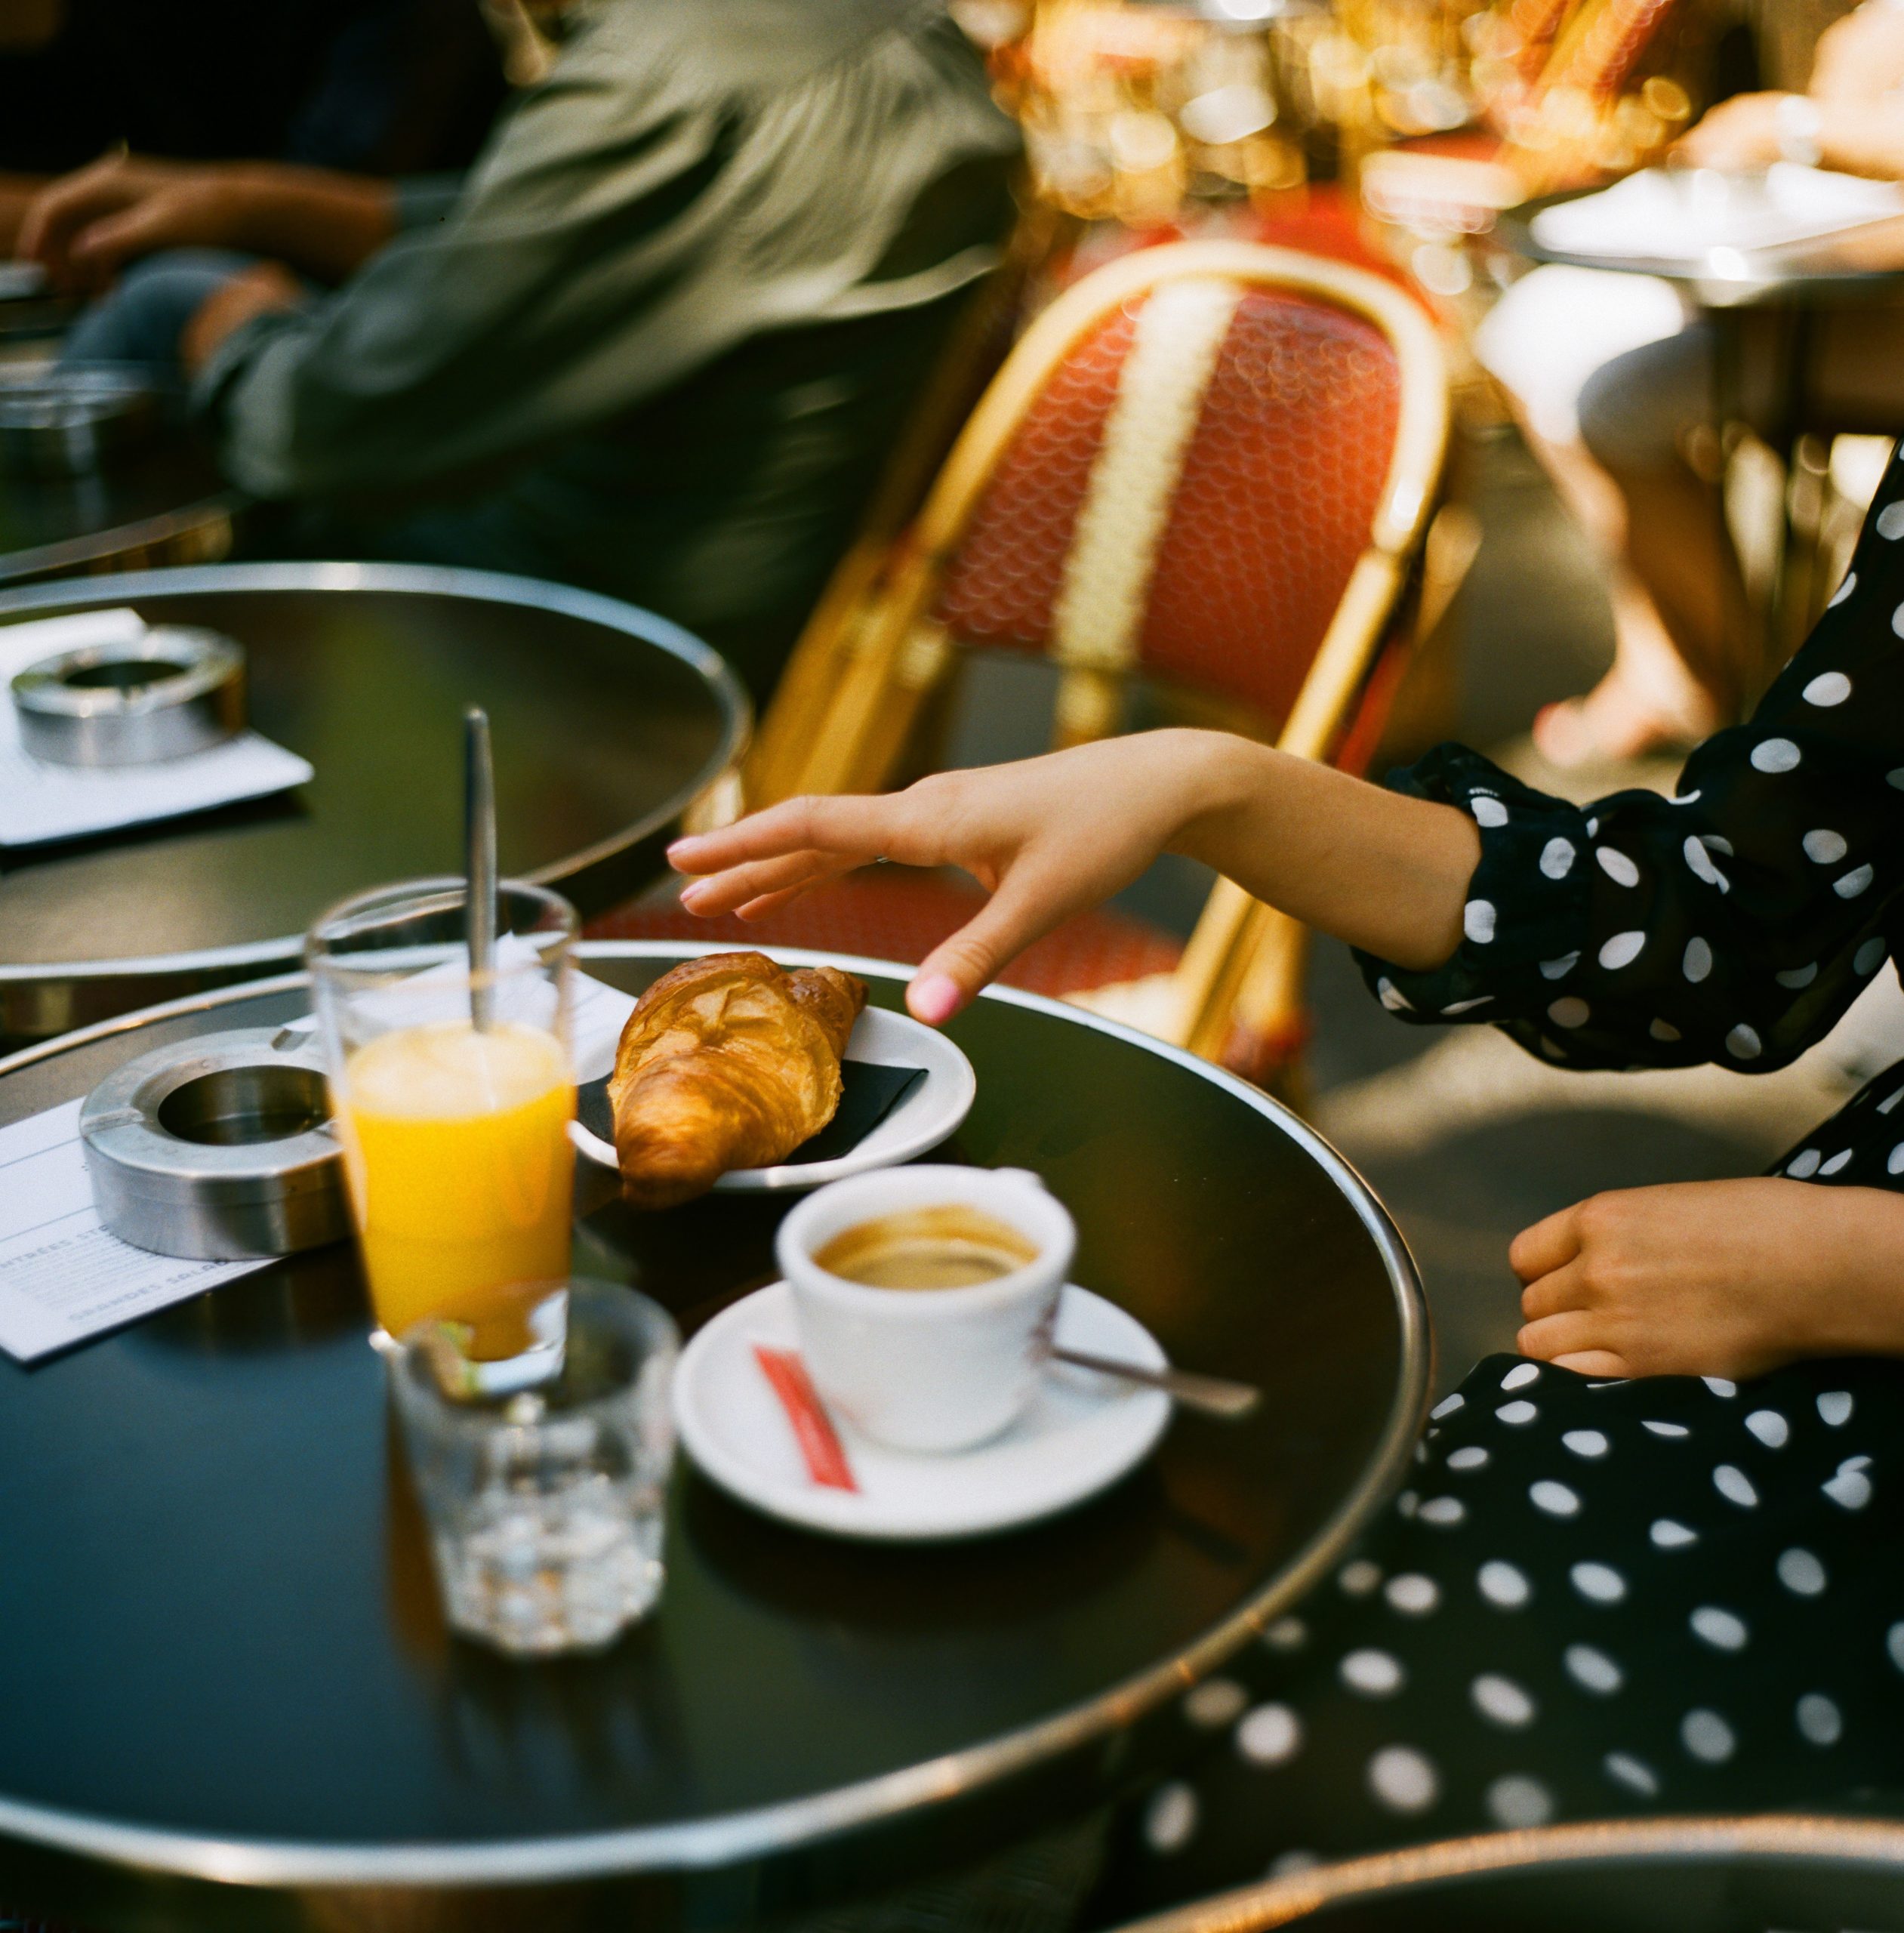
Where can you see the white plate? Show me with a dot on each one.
(930, 1113)
(1081, 1433)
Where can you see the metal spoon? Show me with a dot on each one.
(1213, 1396)
(479, 848)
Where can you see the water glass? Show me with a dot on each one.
(545, 1504)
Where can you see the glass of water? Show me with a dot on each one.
(544, 1478)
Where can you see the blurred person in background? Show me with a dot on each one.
(374, 87)
(1612, 376)
(658, 342)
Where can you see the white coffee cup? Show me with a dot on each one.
(938, 1369)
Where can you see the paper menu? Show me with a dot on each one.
(40, 802)
(63, 1278)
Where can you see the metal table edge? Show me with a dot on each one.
(498, 587)
(705, 1844)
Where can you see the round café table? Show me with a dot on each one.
(231, 1700)
(608, 723)
(1785, 289)
(163, 505)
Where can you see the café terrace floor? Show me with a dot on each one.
(1465, 1137)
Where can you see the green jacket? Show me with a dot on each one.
(660, 341)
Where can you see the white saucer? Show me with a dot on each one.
(932, 1113)
(1081, 1433)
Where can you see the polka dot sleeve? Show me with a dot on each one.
(1734, 922)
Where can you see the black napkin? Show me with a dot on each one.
(869, 1093)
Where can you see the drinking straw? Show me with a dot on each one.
(479, 850)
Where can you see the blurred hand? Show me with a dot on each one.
(85, 227)
(1046, 838)
(1713, 1278)
(1737, 136)
(262, 291)
(1860, 58)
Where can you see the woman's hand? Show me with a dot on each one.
(1739, 136)
(1046, 838)
(1052, 835)
(1713, 1278)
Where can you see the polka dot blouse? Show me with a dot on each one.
(1734, 922)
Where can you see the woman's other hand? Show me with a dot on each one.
(1713, 1278)
(1738, 137)
(1046, 838)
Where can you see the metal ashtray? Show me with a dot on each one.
(74, 419)
(220, 1149)
(172, 691)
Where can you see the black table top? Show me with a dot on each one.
(150, 497)
(607, 722)
(221, 1651)
(1861, 263)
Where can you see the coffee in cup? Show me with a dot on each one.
(926, 1297)
(952, 1246)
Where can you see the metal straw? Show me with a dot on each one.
(479, 849)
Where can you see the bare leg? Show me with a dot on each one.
(1650, 697)
(1685, 648)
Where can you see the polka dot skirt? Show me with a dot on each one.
(1661, 1595)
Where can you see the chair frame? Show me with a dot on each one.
(1875, 1845)
(858, 681)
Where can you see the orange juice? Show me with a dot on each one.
(460, 1166)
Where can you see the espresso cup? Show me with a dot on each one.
(928, 1369)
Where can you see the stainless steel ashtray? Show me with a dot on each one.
(220, 1148)
(75, 419)
(173, 691)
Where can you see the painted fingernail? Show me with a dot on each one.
(934, 998)
(692, 895)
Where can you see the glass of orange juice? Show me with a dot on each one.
(455, 1136)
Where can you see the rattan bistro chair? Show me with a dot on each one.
(1210, 466)
(1614, 1876)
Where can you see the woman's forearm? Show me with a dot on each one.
(1385, 872)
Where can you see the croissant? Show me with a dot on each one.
(727, 1062)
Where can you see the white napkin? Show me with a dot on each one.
(40, 802)
(1673, 214)
(63, 1278)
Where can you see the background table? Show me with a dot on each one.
(165, 504)
(222, 1656)
(1781, 290)
(607, 722)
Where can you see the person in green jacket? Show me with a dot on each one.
(656, 344)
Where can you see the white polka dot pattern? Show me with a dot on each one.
(1593, 1669)
(1403, 1779)
(1269, 1735)
(1214, 1702)
(1170, 1820)
(1598, 1583)
(1501, 1701)
(1504, 1585)
(1707, 1736)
